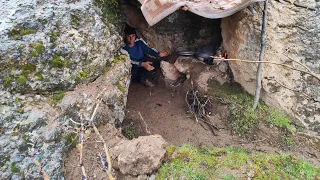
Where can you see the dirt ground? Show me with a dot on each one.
(164, 111)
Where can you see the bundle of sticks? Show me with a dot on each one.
(200, 107)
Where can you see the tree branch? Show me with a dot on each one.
(261, 56)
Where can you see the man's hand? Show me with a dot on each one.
(147, 65)
(163, 53)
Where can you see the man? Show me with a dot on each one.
(142, 69)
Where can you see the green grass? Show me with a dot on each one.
(287, 141)
(212, 163)
(13, 167)
(57, 98)
(242, 118)
(128, 130)
(7, 81)
(38, 47)
(18, 32)
(120, 87)
(57, 62)
(22, 80)
(38, 76)
(71, 140)
(83, 74)
(33, 53)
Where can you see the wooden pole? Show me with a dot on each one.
(261, 56)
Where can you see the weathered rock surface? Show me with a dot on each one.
(200, 73)
(292, 32)
(48, 45)
(111, 89)
(46, 48)
(139, 156)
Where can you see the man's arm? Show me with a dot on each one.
(148, 50)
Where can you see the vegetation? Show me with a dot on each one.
(38, 47)
(119, 58)
(33, 53)
(110, 11)
(17, 33)
(120, 87)
(13, 167)
(38, 76)
(58, 62)
(57, 98)
(7, 81)
(128, 130)
(22, 80)
(75, 21)
(83, 73)
(71, 140)
(189, 162)
(287, 141)
(243, 119)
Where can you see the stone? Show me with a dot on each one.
(52, 46)
(52, 135)
(139, 156)
(199, 72)
(286, 39)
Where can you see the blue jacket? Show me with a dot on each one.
(138, 50)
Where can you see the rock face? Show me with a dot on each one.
(47, 48)
(49, 45)
(200, 73)
(292, 33)
(139, 156)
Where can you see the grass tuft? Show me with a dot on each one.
(243, 119)
(57, 98)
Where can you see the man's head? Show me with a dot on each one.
(130, 35)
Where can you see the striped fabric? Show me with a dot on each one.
(155, 10)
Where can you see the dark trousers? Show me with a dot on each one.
(140, 74)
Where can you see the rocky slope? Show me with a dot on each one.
(46, 49)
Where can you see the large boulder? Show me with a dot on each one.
(48, 46)
(139, 156)
(292, 33)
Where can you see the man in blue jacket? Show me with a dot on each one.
(142, 69)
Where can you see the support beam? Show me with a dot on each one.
(261, 56)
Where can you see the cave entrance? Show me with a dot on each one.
(162, 109)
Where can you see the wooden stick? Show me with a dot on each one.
(105, 150)
(261, 56)
(84, 174)
(44, 174)
(147, 129)
(103, 141)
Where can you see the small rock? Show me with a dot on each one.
(52, 135)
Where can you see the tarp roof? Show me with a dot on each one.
(155, 10)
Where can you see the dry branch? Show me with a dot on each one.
(44, 174)
(103, 141)
(106, 152)
(84, 175)
(263, 47)
(147, 129)
(200, 107)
